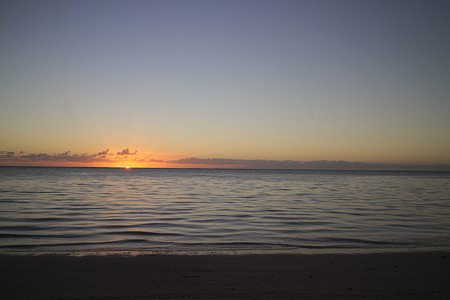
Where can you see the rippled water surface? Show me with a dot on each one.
(156, 210)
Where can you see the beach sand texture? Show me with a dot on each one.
(320, 276)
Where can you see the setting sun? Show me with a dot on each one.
(127, 167)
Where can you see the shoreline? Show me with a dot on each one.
(224, 252)
(214, 251)
(392, 275)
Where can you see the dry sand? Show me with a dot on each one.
(322, 276)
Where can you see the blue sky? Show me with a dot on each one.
(278, 80)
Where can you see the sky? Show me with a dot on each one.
(197, 83)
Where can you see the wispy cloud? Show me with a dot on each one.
(126, 152)
(238, 163)
(103, 154)
(7, 153)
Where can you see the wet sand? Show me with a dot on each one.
(321, 276)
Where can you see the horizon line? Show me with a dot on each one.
(441, 168)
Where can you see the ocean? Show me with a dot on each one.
(101, 211)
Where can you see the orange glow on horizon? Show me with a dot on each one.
(110, 158)
(128, 158)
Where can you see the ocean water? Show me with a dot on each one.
(136, 211)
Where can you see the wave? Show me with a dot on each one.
(210, 209)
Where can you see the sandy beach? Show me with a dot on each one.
(320, 276)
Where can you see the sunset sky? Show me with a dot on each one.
(153, 83)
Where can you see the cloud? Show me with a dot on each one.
(23, 158)
(103, 153)
(126, 152)
(153, 160)
(7, 153)
(67, 156)
(59, 157)
(240, 163)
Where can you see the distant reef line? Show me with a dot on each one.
(308, 165)
(105, 157)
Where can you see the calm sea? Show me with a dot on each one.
(102, 211)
